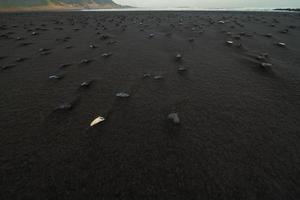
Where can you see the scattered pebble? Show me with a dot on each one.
(106, 55)
(174, 118)
(85, 84)
(68, 47)
(85, 61)
(8, 66)
(64, 65)
(281, 44)
(67, 106)
(178, 57)
(266, 65)
(158, 77)
(269, 35)
(122, 95)
(20, 59)
(55, 77)
(147, 75)
(182, 69)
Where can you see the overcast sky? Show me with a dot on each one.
(211, 3)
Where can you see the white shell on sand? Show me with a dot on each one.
(97, 120)
(229, 42)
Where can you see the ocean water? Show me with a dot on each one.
(187, 9)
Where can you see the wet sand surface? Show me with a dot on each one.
(197, 105)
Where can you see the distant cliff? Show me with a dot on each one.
(288, 9)
(15, 5)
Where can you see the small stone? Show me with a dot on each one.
(44, 53)
(268, 35)
(7, 66)
(20, 59)
(106, 55)
(86, 84)
(284, 31)
(85, 61)
(151, 35)
(229, 42)
(266, 65)
(147, 75)
(104, 37)
(158, 77)
(174, 118)
(281, 44)
(55, 77)
(182, 69)
(266, 55)
(64, 65)
(122, 95)
(66, 106)
(178, 57)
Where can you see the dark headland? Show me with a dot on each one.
(183, 105)
(288, 9)
(55, 5)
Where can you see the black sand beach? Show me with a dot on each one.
(232, 78)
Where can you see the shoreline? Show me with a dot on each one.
(126, 9)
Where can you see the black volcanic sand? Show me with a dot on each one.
(238, 136)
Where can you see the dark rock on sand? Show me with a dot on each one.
(21, 59)
(281, 44)
(122, 95)
(57, 77)
(85, 61)
(5, 67)
(265, 65)
(86, 84)
(174, 118)
(106, 55)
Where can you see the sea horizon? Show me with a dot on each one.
(189, 9)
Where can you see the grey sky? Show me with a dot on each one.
(211, 3)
